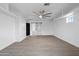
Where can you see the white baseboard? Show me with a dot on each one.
(21, 39)
(74, 44)
(4, 46)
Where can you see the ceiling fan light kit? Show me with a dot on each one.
(43, 14)
(40, 16)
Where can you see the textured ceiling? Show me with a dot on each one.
(26, 9)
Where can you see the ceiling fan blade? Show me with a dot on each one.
(36, 13)
(47, 14)
(42, 11)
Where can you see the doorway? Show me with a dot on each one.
(27, 29)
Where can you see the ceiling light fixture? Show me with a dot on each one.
(40, 16)
(43, 14)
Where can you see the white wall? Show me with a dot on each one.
(46, 28)
(12, 29)
(7, 30)
(21, 29)
(43, 29)
(67, 31)
(4, 5)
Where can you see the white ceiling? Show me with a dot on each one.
(26, 9)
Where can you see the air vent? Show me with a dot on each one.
(46, 4)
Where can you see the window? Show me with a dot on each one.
(70, 18)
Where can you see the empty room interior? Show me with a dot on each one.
(39, 29)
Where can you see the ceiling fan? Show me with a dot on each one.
(43, 14)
